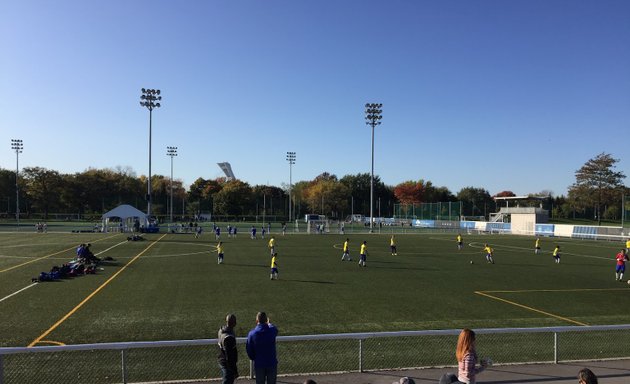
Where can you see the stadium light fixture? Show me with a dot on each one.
(150, 99)
(291, 160)
(17, 145)
(373, 116)
(171, 152)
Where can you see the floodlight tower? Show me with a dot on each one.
(150, 99)
(17, 145)
(171, 152)
(291, 160)
(373, 115)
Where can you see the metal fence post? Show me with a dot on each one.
(360, 355)
(123, 364)
(251, 369)
(1, 370)
(555, 347)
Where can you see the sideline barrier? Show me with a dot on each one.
(195, 360)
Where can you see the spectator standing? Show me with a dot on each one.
(261, 349)
(467, 358)
(228, 354)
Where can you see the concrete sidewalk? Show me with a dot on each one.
(608, 372)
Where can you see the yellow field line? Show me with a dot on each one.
(47, 256)
(530, 308)
(52, 342)
(91, 295)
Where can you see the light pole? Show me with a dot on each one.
(291, 160)
(373, 115)
(172, 152)
(150, 99)
(17, 145)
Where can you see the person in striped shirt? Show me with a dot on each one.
(467, 358)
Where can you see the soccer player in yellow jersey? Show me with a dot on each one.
(219, 253)
(274, 267)
(628, 246)
(272, 245)
(537, 246)
(363, 254)
(392, 246)
(489, 253)
(460, 242)
(556, 254)
(346, 251)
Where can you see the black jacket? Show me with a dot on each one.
(228, 354)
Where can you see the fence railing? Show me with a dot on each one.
(195, 360)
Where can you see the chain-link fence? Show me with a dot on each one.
(195, 360)
(450, 210)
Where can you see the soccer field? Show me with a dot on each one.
(169, 286)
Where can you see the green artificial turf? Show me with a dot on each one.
(170, 287)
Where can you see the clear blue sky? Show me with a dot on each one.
(504, 95)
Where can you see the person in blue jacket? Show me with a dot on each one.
(261, 349)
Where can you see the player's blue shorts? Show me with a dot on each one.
(620, 268)
(220, 255)
(274, 270)
(362, 257)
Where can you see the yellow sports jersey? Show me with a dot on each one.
(271, 243)
(273, 262)
(487, 249)
(556, 251)
(363, 249)
(345, 246)
(537, 243)
(219, 249)
(459, 238)
(392, 241)
(628, 244)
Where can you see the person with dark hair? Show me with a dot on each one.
(405, 380)
(620, 268)
(363, 254)
(586, 376)
(346, 251)
(228, 354)
(467, 357)
(261, 349)
(556, 254)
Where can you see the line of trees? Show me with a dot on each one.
(596, 193)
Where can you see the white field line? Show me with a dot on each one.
(15, 293)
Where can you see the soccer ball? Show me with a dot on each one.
(471, 262)
(628, 282)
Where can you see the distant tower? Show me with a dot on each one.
(227, 169)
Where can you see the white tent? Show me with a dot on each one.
(127, 215)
